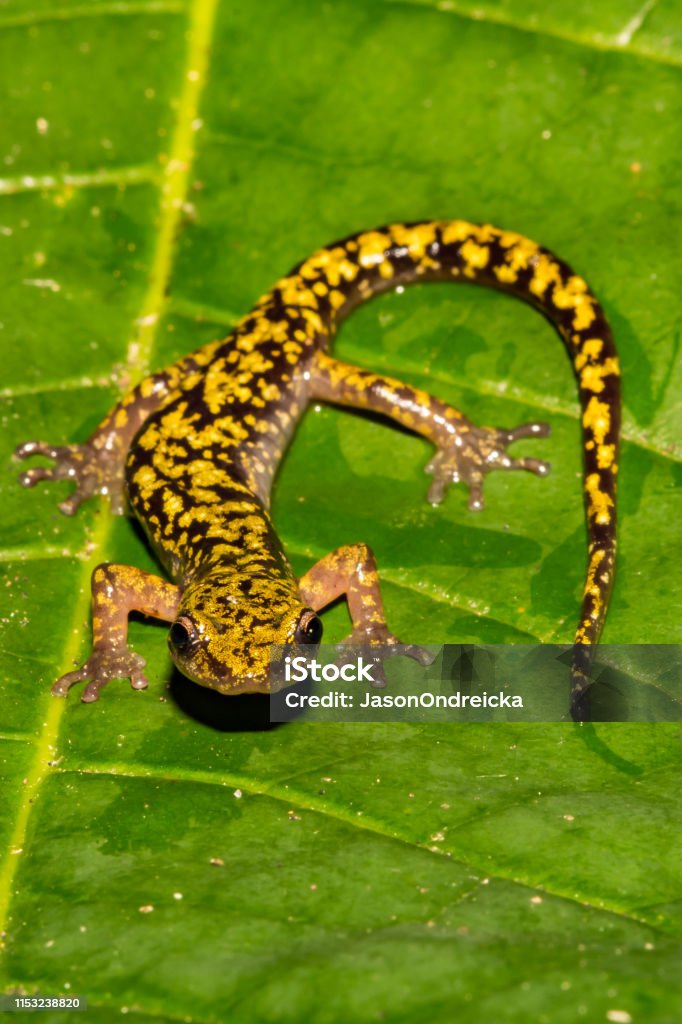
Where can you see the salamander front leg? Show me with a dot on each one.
(351, 572)
(465, 453)
(118, 590)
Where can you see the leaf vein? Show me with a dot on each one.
(605, 44)
(120, 177)
(19, 19)
(306, 802)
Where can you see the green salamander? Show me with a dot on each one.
(193, 450)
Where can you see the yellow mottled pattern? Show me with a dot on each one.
(600, 502)
(592, 376)
(597, 419)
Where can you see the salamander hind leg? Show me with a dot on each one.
(464, 454)
(116, 591)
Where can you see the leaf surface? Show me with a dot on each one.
(165, 852)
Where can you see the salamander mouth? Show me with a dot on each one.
(223, 681)
(234, 687)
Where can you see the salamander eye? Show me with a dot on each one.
(308, 630)
(183, 634)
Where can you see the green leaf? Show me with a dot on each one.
(165, 853)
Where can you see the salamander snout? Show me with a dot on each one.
(223, 639)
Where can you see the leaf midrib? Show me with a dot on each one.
(173, 191)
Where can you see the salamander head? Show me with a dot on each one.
(226, 625)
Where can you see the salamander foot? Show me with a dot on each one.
(475, 451)
(93, 471)
(381, 637)
(101, 667)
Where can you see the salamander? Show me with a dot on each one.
(192, 452)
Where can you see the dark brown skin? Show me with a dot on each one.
(194, 450)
